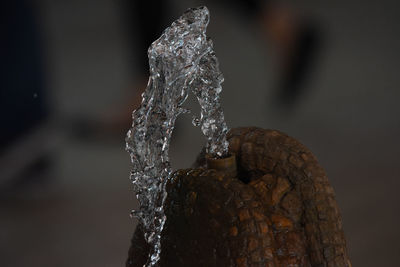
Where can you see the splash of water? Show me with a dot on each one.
(181, 60)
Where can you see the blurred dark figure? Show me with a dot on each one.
(23, 107)
(295, 38)
(296, 41)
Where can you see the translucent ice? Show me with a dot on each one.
(181, 60)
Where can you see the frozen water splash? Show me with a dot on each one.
(207, 87)
(182, 59)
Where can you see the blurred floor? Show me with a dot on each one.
(79, 216)
(348, 118)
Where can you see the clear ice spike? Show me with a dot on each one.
(181, 60)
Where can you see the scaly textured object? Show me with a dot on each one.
(280, 210)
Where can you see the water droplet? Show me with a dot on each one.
(196, 121)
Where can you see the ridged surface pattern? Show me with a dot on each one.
(279, 211)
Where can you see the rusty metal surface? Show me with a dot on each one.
(280, 210)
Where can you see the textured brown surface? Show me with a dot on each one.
(279, 211)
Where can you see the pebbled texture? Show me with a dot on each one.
(279, 211)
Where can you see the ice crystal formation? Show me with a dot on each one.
(181, 60)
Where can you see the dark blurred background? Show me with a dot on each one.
(326, 73)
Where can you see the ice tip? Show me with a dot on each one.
(197, 13)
